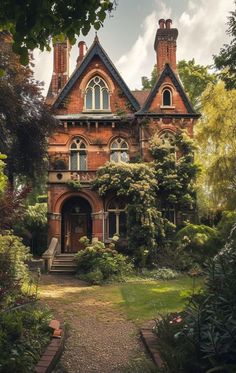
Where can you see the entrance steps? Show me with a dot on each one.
(63, 264)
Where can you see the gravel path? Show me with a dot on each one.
(101, 339)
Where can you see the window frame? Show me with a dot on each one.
(78, 150)
(117, 211)
(119, 150)
(92, 88)
(163, 105)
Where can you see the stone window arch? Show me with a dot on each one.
(117, 219)
(119, 151)
(97, 94)
(167, 139)
(78, 155)
(167, 99)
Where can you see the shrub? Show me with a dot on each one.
(165, 274)
(13, 270)
(24, 334)
(97, 263)
(194, 244)
(206, 340)
(225, 225)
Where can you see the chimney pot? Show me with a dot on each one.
(162, 23)
(82, 50)
(168, 23)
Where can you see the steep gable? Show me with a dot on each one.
(180, 105)
(96, 51)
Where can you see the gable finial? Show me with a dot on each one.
(96, 37)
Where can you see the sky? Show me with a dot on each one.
(128, 36)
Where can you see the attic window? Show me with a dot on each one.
(167, 97)
(97, 95)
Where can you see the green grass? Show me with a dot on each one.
(146, 299)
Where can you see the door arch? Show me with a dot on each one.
(76, 223)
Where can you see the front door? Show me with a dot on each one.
(75, 228)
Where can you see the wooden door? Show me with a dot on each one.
(75, 228)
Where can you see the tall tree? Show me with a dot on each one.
(2, 176)
(216, 139)
(25, 121)
(33, 23)
(225, 61)
(194, 77)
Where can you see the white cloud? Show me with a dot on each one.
(202, 29)
(140, 59)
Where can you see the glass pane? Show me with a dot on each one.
(112, 205)
(114, 145)
(73, 146)
(166, 98)
(97, 97)
(105, 99)
(124, 145)
(82, 145)
(115, 157)
(124, 157)
(122, 225)
(73, 161)
(112, 224)
(102, 84)
(83, 161)
(89, 99)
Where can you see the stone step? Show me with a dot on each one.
(62, 266)
(62, 272)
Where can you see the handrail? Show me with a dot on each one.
(49, 254)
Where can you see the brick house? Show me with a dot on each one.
(101, 120)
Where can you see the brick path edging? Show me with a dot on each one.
(151, 342)
(51, 355)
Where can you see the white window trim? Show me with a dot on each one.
(119, 150)
(93, 96)
(78, 151)
(171, 106)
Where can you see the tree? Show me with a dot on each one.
(3, 178)
(25, 121)
(225, 61)
(216, 149)
(32, 24)
(194, 77)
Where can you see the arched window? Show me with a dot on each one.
(97, 95)
(119, 151)
(167, 97)
(168, 139)
(169, 212)
(117, 218)
(78, 155)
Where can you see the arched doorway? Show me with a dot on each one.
(76, 223)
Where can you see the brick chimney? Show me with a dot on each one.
(82, 51)
(165, 45)
(61, 54)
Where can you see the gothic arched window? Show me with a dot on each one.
(119, 151)
(167, 139)
(78, 155)
(97, 95)
(117, 218)
(167, 97)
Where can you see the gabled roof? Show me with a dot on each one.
(141, 96)
(175, 80)
(96, 50)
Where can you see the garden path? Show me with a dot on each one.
(101, 339)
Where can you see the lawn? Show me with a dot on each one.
(143, 300)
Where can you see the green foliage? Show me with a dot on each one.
(96, 263)
(34, 228)
(25, 123)
(3, 178)
(195, 79)
(209, 320)
(74, 184)
(24, 334)
(34, 26)
(13, 270)
(175, 178)
(225, 225)
(165, 274)
(196, 243)
(216, 144)
(225, 61)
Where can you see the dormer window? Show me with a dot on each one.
(166, 97)
(97, 95)
(78, 155)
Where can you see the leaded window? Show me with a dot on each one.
(78, 155)
(119, 151)
(117, 219)
(97, 95)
